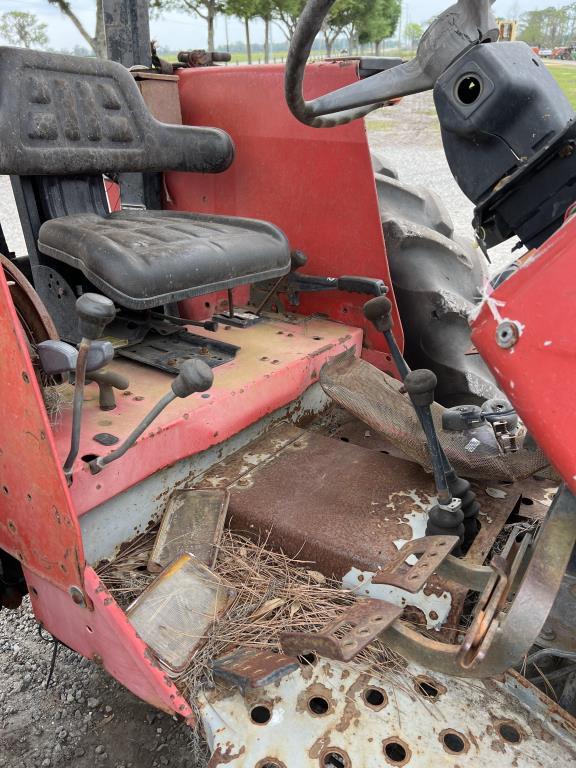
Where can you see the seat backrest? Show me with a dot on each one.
(71, 115)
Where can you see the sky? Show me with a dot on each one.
(180, 32)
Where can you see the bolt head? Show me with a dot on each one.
(507, 334)
(77, 596)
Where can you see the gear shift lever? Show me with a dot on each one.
(94, 313)
(445, 518)
(194, 376)
(379, 312)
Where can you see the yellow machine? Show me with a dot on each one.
(508, 29)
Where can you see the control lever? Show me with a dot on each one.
(207, 325)
(107, 382)
(58, 357)
(297, 284)
(379, 312)
(194, 376)
(94, 313)
(297, 260)
(445, 518)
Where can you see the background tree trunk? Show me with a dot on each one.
(266, 40)
(100, 35)
(248, 46)
(210, 21)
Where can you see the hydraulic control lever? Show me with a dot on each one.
(58, 357)
(94, 313)
(298, 283)
(298, 259)
(379, 312)
(445, 517)
(194, 376)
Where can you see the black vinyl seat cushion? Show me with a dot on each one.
(144, 259)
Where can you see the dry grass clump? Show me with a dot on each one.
(57, 398)
(274, 593)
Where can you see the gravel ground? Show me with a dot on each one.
(85, 718)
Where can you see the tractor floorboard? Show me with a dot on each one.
(344, 508)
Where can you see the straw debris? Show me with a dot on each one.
(274, 593)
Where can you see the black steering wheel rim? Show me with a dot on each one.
(460, 27)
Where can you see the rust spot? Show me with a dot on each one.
(320, 746)
(108, 601)
(351, 711)
(317, 700)
(221, 758)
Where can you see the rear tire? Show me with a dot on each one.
(437, 282)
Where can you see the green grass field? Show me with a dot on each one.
(565, 74)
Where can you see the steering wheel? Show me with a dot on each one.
(465, 24)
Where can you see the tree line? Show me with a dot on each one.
(362, 22)
(549, 27)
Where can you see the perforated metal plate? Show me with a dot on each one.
(334, 714)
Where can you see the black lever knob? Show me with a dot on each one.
(194, 376)
(94, 313)
(298, 259)
(420, 385)
(379, 312)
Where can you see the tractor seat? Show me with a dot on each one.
(144, 259)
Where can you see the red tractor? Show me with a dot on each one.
(246, 321)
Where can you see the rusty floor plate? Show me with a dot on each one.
(346, 509)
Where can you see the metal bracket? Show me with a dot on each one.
(493, 600)
(503, 630)
(506, 440)
(344, 638)
(431, 551)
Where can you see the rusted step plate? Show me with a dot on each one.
(247, 668)
(344, 638)
(430, 551)
(346, 509)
